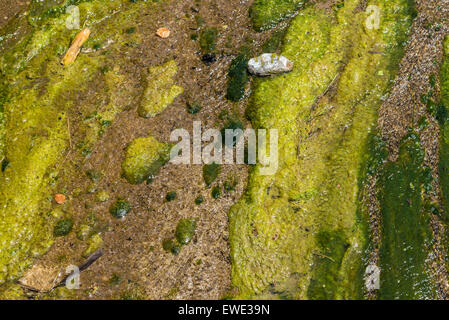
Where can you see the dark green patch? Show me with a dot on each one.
(216, 192)
(120, 208)
(211, 172)
(406, 232)
(238, 77)
(266, 14)
(194, 108)
(170, 245)
(232, 124)
(63, 227)
(170, 196)
(199, 200)
(208, 40)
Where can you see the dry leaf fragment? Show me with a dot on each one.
(75, 47)
(163, 32)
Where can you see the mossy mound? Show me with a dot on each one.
(185, 230)
(265, 14)
(144, 158)
(160, 91)
(304, 219)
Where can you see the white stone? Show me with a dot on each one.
(269, 64)
(372, 277)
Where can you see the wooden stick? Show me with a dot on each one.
(75, 48)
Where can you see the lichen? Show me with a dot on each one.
(160, 91)
(144, 158)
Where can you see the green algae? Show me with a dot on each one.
(185, 230)
(265, 14)
(63, 227)
(170, 196)
(194, 108)
(144, 158)
(199, 200)
(294, 221)
(160, 91)
(216, 192)
(95, 243)
(36, 96)
(211, 172)
(120, 208)
(406, 231)
(208, 40)
(238, 77)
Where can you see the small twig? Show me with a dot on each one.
(376, 52)
(68, 130)
(323, 256)
(92, 258)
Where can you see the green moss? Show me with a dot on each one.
(185, 230)
(144, 158)
(120, 208)
(265, 14)
(406, 231)
(272, 45)
(216, 192)
(63, 227)
(84, 232)
(199, 200)
(94, 175)
(211, 172)
(277, 228)
(95, 243)
(34, 113)
(102, 196)
(194, 108)
(160, 91)
(208, 40)
(238, 77)
(170, 196)
(170, 245)
(233, 123)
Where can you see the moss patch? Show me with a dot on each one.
(160, 91)
(144, 158)
(265, 14)
(280, 226)
(406, 232)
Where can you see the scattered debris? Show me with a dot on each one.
(209, 58)
(75, 48)
(269, 64)
(163, 33)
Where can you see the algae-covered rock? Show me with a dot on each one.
(95, 243)
(120, 208)
(185, 230)
(63, 227)
(160, 91)
(144, 158)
